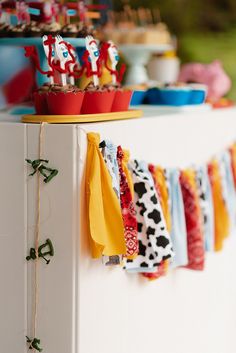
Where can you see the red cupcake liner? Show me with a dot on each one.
(121, 101)
(68, 103)
(97, 102)
(40, 103)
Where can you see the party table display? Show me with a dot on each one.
(149, 219)
(100, 82)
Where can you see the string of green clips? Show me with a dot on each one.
(40, 168)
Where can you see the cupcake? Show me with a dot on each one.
(85, 31)
(18, 31)
(51, 28)
(40, 99)
(198, 93)
(121, 100)
(69, 30)
(177, 94)
(98, 100)
(33, 30)
(64, 100)
(4, 30)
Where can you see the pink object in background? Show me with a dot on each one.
(212, 75)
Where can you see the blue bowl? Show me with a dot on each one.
(138, 97)
(169, 96)
(197, 96)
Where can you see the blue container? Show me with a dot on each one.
(169, 96)
(154, 96)
(138, 97)
(197, 96)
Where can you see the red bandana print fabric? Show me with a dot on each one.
(195, 239)
(128, 211)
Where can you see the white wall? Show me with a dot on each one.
(187, 311)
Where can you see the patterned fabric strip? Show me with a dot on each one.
(228, 188)
(160, 181)
(178, 229)
(154, 240)
(232, 151)
(195, 240)
(109, 152)
(128, 211)
(206, 204)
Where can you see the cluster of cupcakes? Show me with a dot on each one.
(174, 94)
(36, 29)
(55, 99)
(177, 94)
(64, 66)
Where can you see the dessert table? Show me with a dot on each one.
(85, 307)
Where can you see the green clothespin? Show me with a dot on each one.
(34, 344)
(42, 252)
(38, 165)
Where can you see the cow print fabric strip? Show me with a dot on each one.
(154, 240)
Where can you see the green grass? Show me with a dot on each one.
(206, 47)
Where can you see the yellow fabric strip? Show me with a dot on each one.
(222, 221)
(164, 195)
(105, 223)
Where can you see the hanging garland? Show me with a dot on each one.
(189, 211)
(44, 250)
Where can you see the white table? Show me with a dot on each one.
(85, 307)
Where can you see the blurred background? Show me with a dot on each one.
(205, 29)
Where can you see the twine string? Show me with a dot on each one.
(37, 238)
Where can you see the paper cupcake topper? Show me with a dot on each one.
(63, 56)
(59, 56)
(74, 66)
(93, 56)
(114, 58)
(22, 12)
(50, 11)
(82, 9)
(110, 58)
(46, 50)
